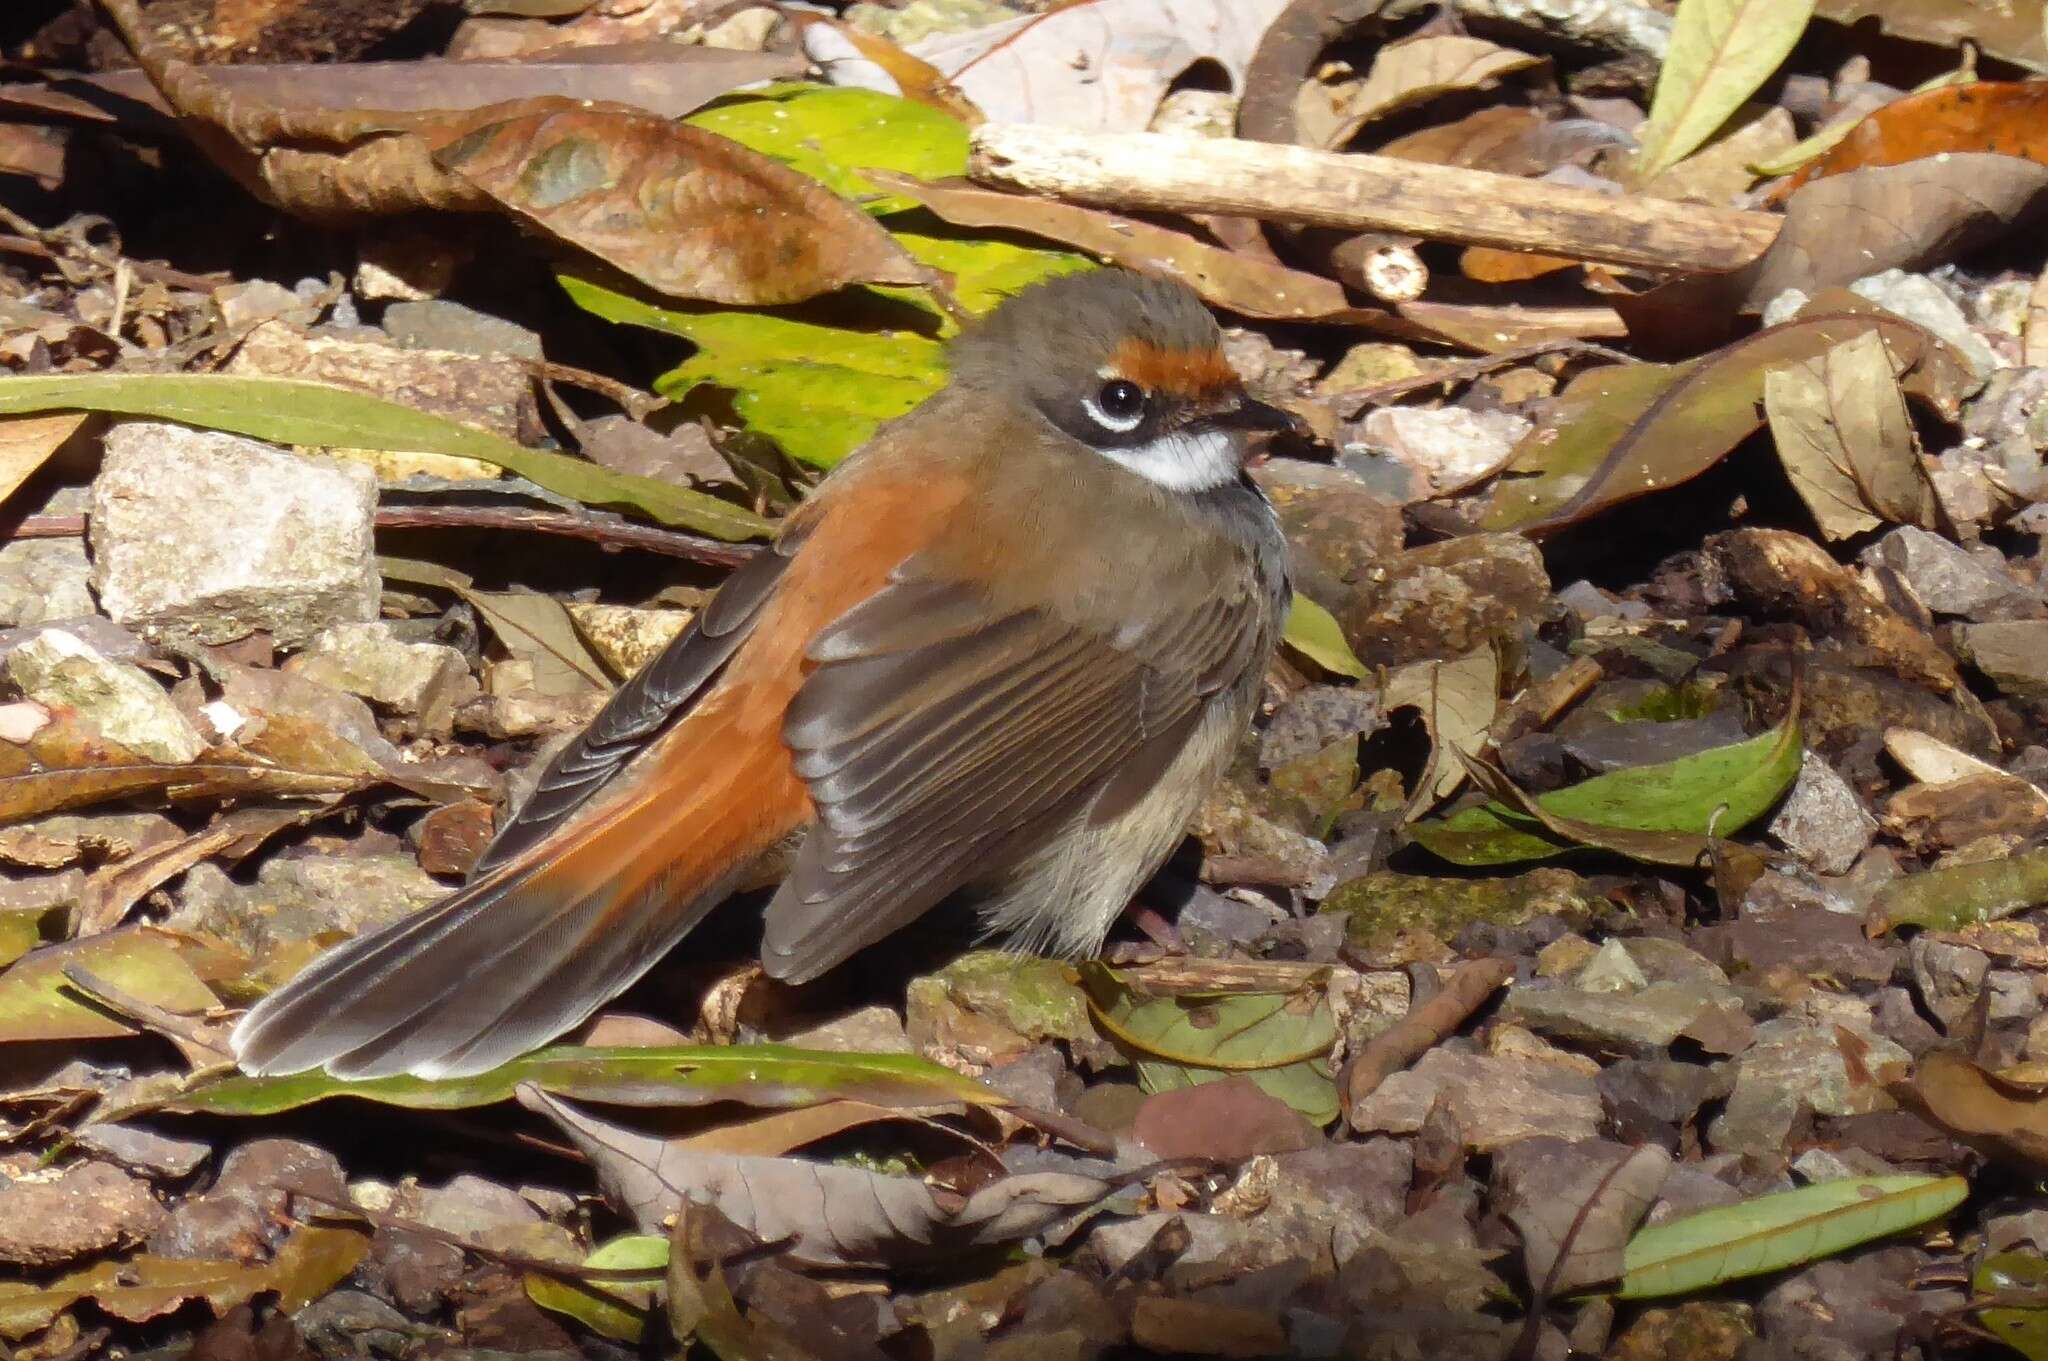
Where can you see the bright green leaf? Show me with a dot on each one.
(827, 132)
(603, 1313)
(1313, 632)
(287, 411)
(20, 930)
(1281, 1041)
(817, 390)
(1771, 1232)
(1720, 791)
(1956, 896)
(1721, 53)
(775, 1075)
(984, 272)
(2024, 1328)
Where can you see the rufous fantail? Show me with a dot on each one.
(1005, 647)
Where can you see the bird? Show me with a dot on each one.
(1003, 650)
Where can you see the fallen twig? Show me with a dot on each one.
(1422, 1028)
(1157, 172)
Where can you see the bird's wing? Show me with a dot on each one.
(653, 699)
(942, 738)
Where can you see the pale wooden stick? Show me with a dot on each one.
(1149, 170)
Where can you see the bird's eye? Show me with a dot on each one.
(1117, 406)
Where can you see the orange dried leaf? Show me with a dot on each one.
(2009, 118)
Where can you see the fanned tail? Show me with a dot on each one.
(506, 963)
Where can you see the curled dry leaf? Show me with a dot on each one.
(1625, 431)
(1101, 64)
(1457, 701)
(1575, 1216)
(1841, 228)
(1840, 423)
(27, 441)
(1421, 68)
(1999, 1117)
(684, 211)
(826, 1215)
(1243, 284)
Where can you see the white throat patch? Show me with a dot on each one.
(1185, 460)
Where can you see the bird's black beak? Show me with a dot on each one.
(1250, 414)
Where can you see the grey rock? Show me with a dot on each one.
(1445, 599)
(426, 681)
(43, 580)
(1334, 1193)
(437, 324)
(1645, 1022)
(210, 537)
(120, 699)
(1668, 961)
(1857, 1304)
(1588, 601)
(1688, 1189)
(1312, 718)
(2013, 999)
(48, 1218)
(1495, 1101)
(2013, 654)
(349, 1325)
(1664, 1090)
(145, 1150)
(1944, 578)
(1822, 821)
(1617, 746)
(1445, 448)
(241, 1217)
(1795, 1064)
(1611, 969)
(298, 899)
(1949, 977)
(472, 1208)
(1919, 299)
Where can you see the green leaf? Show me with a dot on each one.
(686, 1075)
(287, 411)
(984, 271)
(819, 391)
(1721, 53)
(1281, 1041)
(1313, 632)
(1771, 1232)
(1721, 790)
(603, 1313)
(1960, 895)
(37, 1002)
(21, 929)
(2024, 1328)
(826, 132)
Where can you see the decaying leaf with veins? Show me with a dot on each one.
(684, 211)
(1840, 422)
(1457, 700)
(826, 1214)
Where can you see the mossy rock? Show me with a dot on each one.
(1384, 905)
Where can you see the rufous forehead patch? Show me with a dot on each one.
(1192, 374)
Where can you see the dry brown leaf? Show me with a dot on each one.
(2013, 32)
(829, 1215)
(1102, 64)
(1843, 434)
(26, 443)
(1421, 68)
(684, 211)
(2003, 1120)
(2009, 118)
(1457, 700)
(1839, 229)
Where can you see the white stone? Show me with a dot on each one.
(210, 537)
(119, 699)
(422, 680)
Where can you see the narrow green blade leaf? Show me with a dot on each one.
(288, 411)
(1313, 632)
(686, 1075)
(1776, 1231)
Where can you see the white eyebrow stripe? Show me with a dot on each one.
(1185, 460)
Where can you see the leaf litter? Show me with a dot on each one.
(1765, 706)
